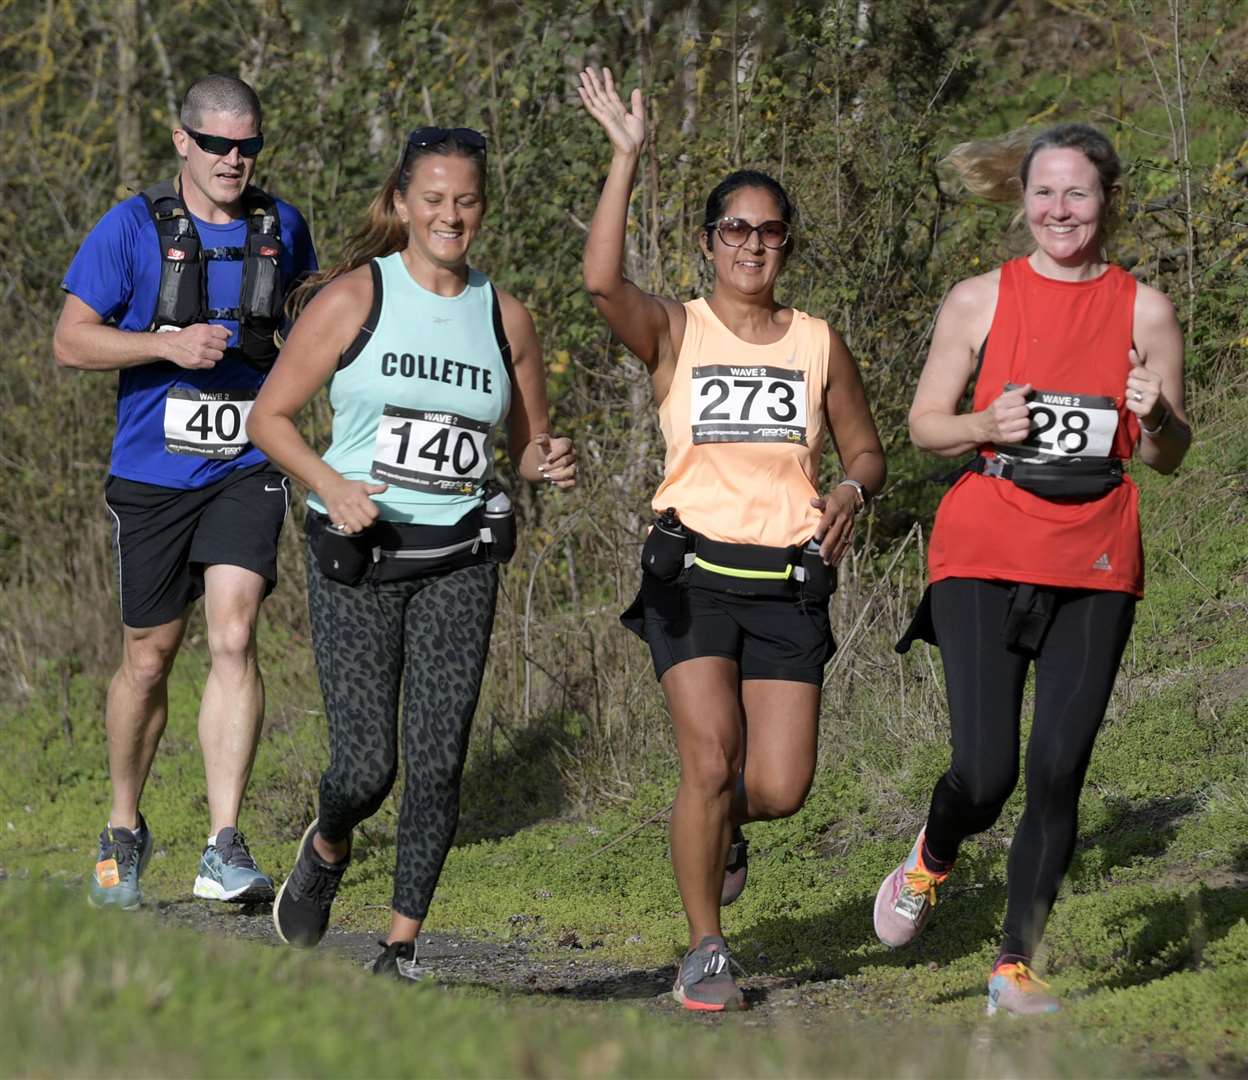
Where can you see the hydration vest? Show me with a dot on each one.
(183, 296)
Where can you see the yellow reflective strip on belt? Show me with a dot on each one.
(732, 571)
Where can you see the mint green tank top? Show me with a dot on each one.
(417, 397)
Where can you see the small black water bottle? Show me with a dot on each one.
(663, 553)
(819, 578)
(499, 518)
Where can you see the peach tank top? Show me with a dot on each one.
(745, 427)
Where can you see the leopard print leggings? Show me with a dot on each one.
(431, 634)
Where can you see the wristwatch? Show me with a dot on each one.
(859, 490)
(1165, 419)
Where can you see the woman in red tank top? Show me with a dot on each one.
(1035, 555)
(747, 388)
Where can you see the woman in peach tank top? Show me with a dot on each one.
(734, 594)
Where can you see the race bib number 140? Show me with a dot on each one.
(747, 404)
(207, 423)
(439, 452)
(1067, 426)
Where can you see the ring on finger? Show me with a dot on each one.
(1138, 395)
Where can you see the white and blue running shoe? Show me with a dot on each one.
(228, 872)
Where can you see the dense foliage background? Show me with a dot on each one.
(851, 104)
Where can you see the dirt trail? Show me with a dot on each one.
(518, 967)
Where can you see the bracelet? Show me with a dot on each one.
(1153, 432)
(859, 491)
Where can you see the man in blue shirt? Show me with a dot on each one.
(178, 290)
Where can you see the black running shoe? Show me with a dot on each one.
(301, 910)
(398, 961)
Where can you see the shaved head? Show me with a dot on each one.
(218, 93)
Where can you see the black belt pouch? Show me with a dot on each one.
(342, 558)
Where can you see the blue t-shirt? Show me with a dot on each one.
(176, 427)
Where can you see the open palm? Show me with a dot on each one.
(625, 127)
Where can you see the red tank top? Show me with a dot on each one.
(1069, 339)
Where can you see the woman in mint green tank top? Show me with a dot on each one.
(424, 359)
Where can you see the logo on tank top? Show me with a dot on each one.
(747, 404)
(1102, 563)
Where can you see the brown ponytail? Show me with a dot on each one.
(382, 233)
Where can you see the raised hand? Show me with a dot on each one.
(1007, 419)
(625, 127)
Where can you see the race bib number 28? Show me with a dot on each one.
(207, 423)
(747, 404)
(1067, 426)
(438, 452)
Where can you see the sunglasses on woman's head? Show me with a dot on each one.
(220, 145)
(734, 232)
(433, 136)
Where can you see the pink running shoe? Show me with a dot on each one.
(1014, 989)
(906, 899)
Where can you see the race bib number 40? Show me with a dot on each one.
(208, 423)
(1067, 426)
(747, 404)
(438, 452)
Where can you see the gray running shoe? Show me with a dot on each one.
(704, 981)
(301, 910)
(123, 857)
(228, 872)
(736, 868)
(398, 961)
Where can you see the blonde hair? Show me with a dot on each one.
(383, 231)
(997, 169)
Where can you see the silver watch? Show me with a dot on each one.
(859, 490)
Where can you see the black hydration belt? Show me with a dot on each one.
(389, 551)
(756, 570)
(1078, 478)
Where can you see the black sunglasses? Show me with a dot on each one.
(735, 232)
(220, 145)
(432, 136)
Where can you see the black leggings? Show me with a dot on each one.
(1076, 664)
(431, 634)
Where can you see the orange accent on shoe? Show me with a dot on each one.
(1021, 976)
(107, 874)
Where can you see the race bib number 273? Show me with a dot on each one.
(747, 404)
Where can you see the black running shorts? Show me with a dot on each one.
(164, 537)
(769, 638)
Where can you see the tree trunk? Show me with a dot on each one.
(129, 132)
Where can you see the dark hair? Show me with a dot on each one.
(717, 200)
(218, 93)
(382, 232)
